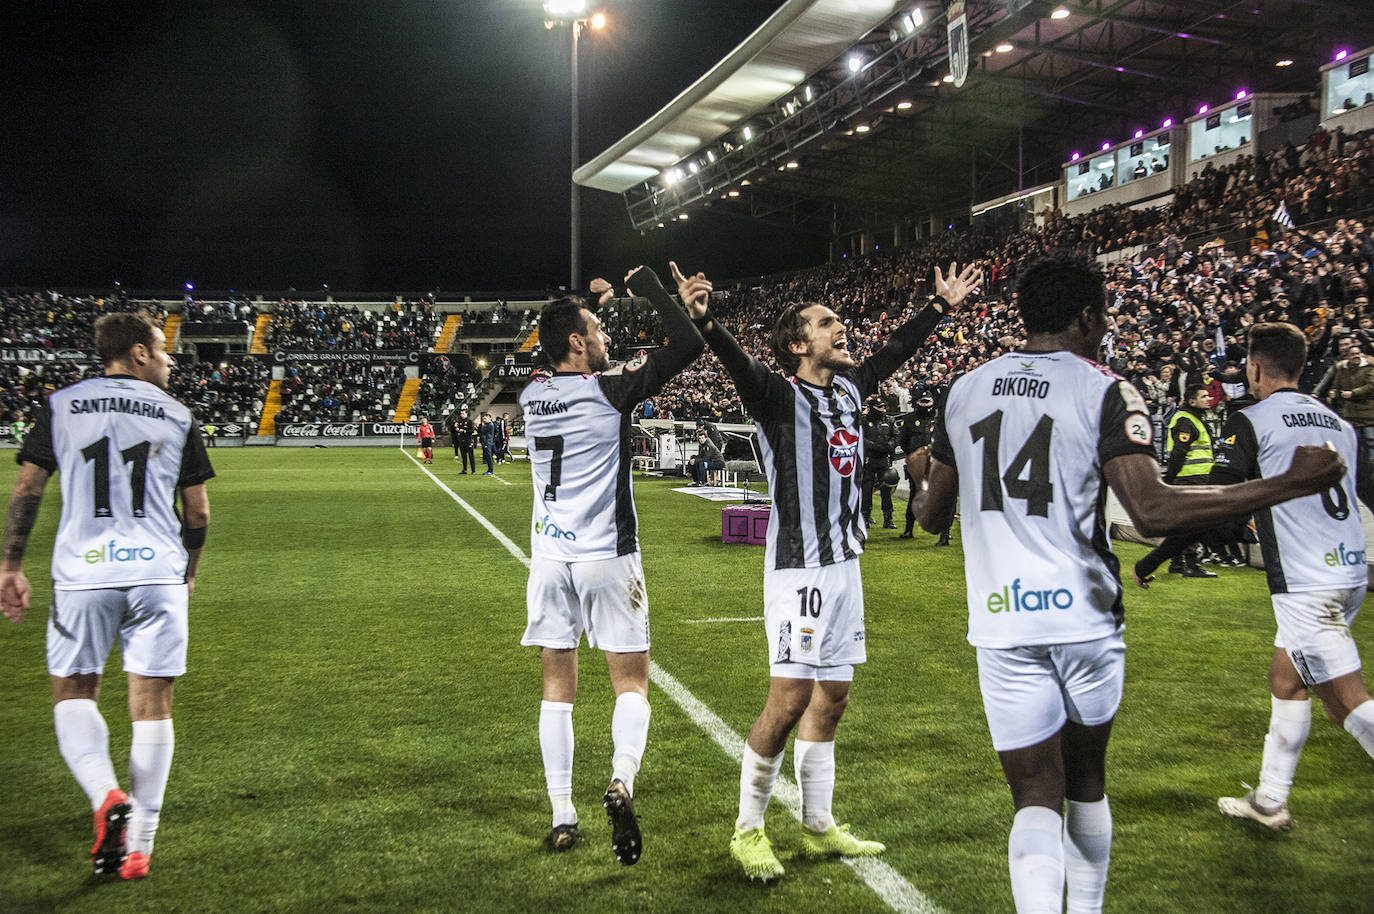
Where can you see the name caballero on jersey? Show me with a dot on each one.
(117, 405)
(1311, 420)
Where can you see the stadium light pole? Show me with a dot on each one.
(573, 14)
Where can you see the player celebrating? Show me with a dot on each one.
(426, 436)
(585, 571)
(811, 432)
(1314, 554)
(1024, 442)
(123, 565)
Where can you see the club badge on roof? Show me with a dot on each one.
(958, 42)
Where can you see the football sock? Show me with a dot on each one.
(150, 761)
(1087, 852)
(629, 734)
(757, 775)
(815, 767)
(84, 741)
(1289, 723)
(1035, 852)
(1359, 723)
(556, 744)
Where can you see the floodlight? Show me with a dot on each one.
(861, 128)
(1075, 157)
(1005, 47)
(855, 63)
(748, 133)
(903, 106)
(599, 21)
(1286, 62)
(1241, 94)
(1342, 55)
(1202, 110)
(1106, 146)
(1060, 13)
(793, 164)
(1168, 122)
(949, 78)
(733, 193)
(1138, 134)
(682, 217)
(564, 9)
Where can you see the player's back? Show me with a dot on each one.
(1029, 433)
(118, 444)
(578, 445)
(1310, 543)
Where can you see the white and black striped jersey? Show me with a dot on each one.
(577, 432)
(811, 440)
(1029, 434)
(1310, 543)
(122, 447)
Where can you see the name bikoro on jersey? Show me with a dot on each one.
(122, 447)
(1029, 434)
(579, 450)
(1310, 543)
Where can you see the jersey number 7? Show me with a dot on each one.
(1031, 462)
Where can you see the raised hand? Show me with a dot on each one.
(695, 291)
(955, 286)
(601, 289)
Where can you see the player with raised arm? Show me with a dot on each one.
(1314, 556)
(811, 435)
(123, 566)
(1025, 442)
(585, 571)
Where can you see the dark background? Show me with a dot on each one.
(386, 146)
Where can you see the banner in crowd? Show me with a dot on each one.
(344, 429)
(63, 354)
(512, 372)
(366, 356)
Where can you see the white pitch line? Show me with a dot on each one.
(724, 619)
(888, 884)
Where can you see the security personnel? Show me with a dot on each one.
(880, 440)
(1189, 463)
(917, 430)
(463, 430)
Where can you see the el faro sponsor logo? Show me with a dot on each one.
(113, 552)
(1015, 600)
(1343, 556)
(546, 527)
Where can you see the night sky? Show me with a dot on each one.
(383, 146)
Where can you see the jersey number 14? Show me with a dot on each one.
(1028, 476)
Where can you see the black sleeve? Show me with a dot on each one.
(1125, 426)
(759, 389)
(1184, 434)
(1237, 454)
(628, 384)
(195, 462)
(902, 345)
(37, 446)
(940, 447)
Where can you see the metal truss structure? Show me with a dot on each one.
(894, 144)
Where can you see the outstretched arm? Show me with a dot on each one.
(23, 512)
(628, 384)
(751, 376)
(950, 292)
(1158, 509)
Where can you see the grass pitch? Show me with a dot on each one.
(357, 731)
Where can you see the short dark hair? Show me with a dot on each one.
(1193, 390)
(559, 320)
(789, 328)
(117, 333)
(1280, 344)
(1053, 290)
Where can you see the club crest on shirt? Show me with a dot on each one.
(844, 451)
(806, 640)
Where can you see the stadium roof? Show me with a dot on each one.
(782, 129)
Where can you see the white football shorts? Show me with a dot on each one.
(606, 599)
(1314, 630)
(1030, 692)
(151, 621)
(814, 619)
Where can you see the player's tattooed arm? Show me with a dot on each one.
(23, 513)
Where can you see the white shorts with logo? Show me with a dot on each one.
(1314, 630)
(1030, 692)
(606, 599)
(814, 618)
(151, 621)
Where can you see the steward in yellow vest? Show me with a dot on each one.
(1190, 443)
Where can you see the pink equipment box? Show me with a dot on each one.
(744, 524)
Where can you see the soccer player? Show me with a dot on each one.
(1024, 442)
(811, 432)
(426, 436)
(585, 571)
(1314, 554)
(123, 566)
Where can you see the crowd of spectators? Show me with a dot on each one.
(313, 327)
(348, 391)
(49, 320)
(224, 393)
